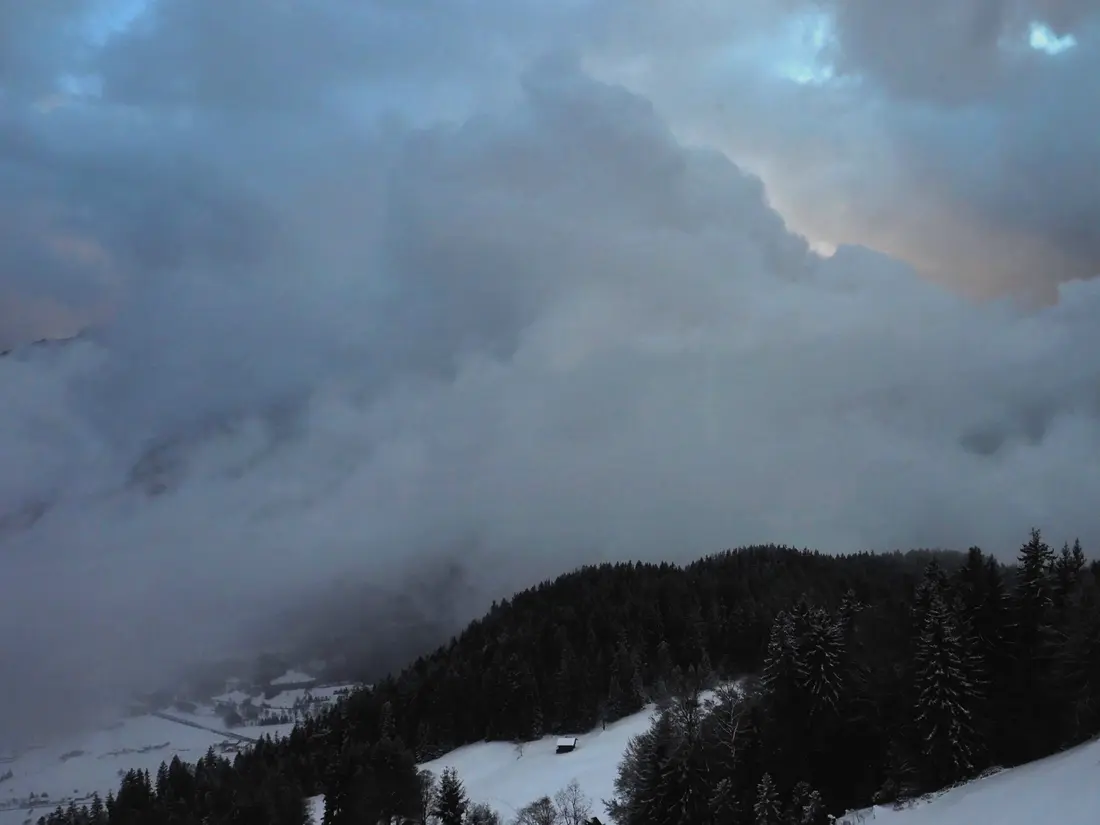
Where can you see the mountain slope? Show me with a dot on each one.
(869, 673)
(1061, 789)
(506, 776)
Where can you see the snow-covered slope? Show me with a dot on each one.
(95, 761)
(507, 777)
(1059, 790)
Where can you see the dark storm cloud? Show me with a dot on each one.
(262, 55)
(943, 51)
(942, 136)
(337, 338)
(33, 38)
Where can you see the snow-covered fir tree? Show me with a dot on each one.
(946, 677)
(821, 662)
(767, 809)
(451, 801)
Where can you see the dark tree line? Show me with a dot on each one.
(979, 667)
(869, 677)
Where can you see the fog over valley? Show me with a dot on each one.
(360, 317)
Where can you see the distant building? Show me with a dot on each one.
(567, 744)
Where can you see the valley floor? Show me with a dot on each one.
(50, 775)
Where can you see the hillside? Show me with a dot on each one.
(875, 677)
(1060, 789)
(507, 777)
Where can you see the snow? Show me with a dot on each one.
(287, 698)
(507, 777)
(235, 697)
(210, 716)
(95, 761)
(1061, 789)
(293, 677)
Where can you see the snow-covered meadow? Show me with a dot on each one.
(506, 777)
(36, 780)
(1059, 790)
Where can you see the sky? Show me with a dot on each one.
(447, 297)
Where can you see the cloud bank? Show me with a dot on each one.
(473, 293)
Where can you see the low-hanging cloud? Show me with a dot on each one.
(325, 348)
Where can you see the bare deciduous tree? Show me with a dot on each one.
(428, 790)
(574, 808)
(539, 812)
(725, 712)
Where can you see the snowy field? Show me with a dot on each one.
(95, 761)
(1058, 790)
(506, 777)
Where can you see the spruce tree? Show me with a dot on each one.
(1080, 667)
(800, 795)
(161, 783)
(451, 800)
(683, 795)
(566, 688)
(991, 622)
(1067, 575)
(1036, 562)
(1034, 709)
(97, 813)
(787, 712)
(813, 811)
(638, 780)
(946, 678)
(393, 781)
(766, 810)
(387, 726)
(625, 683)
(822, 663)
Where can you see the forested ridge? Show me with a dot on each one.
(866, 677)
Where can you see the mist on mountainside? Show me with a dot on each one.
(381, 308)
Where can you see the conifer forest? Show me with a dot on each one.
(789, 685)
